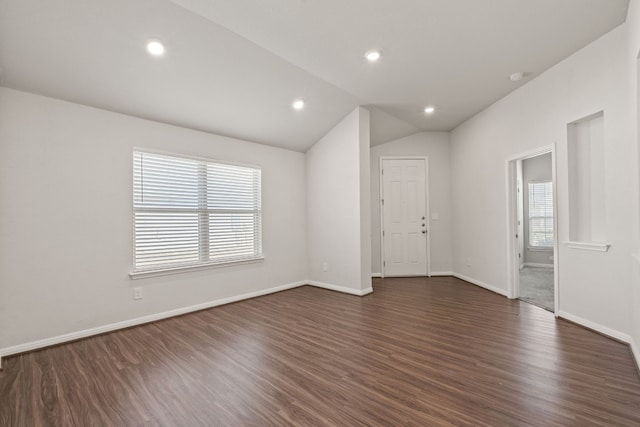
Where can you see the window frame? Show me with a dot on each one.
(203, 217)
(530, 245)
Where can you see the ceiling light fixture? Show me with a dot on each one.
(430, 110)
(373, 55)
(298, 104)
(155, 47)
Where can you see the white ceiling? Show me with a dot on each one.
(234, 67)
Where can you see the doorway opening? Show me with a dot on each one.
(532, 228)
(404, 219)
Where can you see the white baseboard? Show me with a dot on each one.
(433, 274)
(337, 288)
(537, 265)
(441, 273)
(34, 345)
(625, 338)
(46, 342)
(60, 339)
(635, 351)
(481, 284)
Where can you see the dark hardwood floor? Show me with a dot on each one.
(419, 352)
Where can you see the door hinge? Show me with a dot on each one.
(384, 263)
(382, 171)
(382, 200)
(382, 233)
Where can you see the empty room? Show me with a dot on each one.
(345, 213)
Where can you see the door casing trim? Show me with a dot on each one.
(513, 270)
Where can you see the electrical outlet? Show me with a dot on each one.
(325, 266)
(137, 293)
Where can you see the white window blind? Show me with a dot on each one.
(191, 212)
(541, 214)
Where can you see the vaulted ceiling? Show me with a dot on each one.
(234, 67)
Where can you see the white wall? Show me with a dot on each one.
(336, 208)
(65, 192)
(66, 227)
(594, 287)
(633, 77)
(434, 145)
(365, 197)
(534, 169)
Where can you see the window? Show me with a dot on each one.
(540, 214)
(191, 212)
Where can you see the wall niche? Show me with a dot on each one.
(587, 213)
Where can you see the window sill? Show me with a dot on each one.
(540, 249)
(595, 247)
(187, 268)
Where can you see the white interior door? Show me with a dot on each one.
(405, 222)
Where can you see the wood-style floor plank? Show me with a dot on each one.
(416, 352)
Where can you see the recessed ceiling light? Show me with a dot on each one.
(298, 104)
(155, 47)
(373, 55)
(430, 110)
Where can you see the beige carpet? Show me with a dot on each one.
(536, 286)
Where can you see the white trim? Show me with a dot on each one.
(635, 352)
(625, 338)
(537, 265)
(381, 207)
(513, 245)
(596, 247)
(441, 273)
(540, 248)
(427, 214)
(376, 274)
(481, 284)
(73, 336)
(197, 158)
(556, 262)
(343, 289)
(408, 275)
(183, 269)
(59, 339)
(151, 248)
(513, 263)
(427, 207)
(533, 153)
